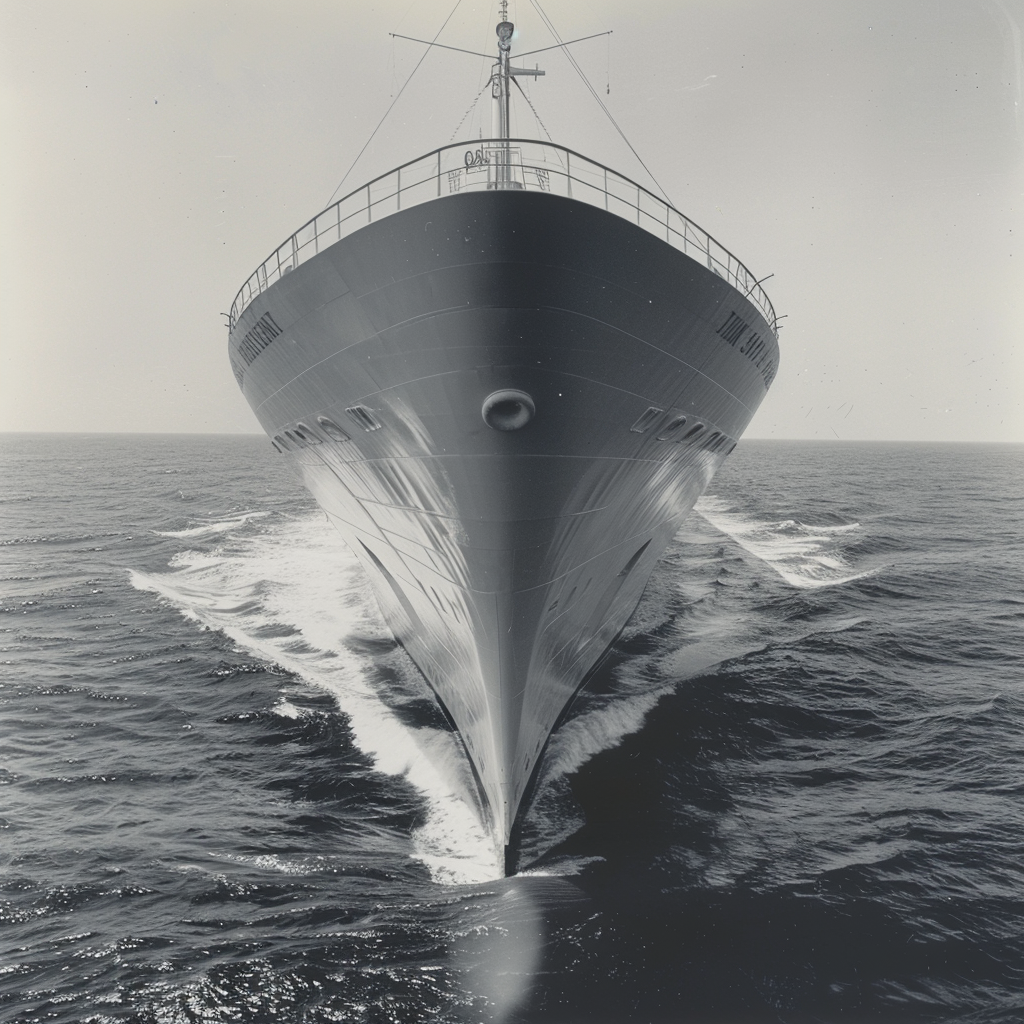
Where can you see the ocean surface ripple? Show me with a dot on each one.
(793, 791)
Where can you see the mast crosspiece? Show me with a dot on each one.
(501, 76)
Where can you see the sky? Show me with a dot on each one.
(868, 155)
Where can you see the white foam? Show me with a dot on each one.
(603, 728)
(554, 812)
(290, 595)
(208, 529)
(804, 556)
(565, 868)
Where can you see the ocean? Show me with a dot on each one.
(794, 790)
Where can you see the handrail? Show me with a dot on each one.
(503, 164)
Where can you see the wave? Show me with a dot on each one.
(70, 538)
(209, 529)
(804, 556)
(291, 595)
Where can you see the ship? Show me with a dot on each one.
(506, 373)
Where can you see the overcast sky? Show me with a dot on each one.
(869, 154)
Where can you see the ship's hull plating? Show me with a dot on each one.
(505, 561)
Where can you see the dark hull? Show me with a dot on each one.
(504, 561)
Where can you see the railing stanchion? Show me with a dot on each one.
(439, 172)
(398, 193)
(369, 216)
(606, 188)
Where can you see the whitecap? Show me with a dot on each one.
(803, 555)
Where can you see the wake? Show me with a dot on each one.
(211, 528)
(291, 594)
(804, 556)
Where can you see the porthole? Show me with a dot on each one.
(306, 434)
(646, 421)
(363, 417)
(332, 430)
(671, 432)
(508, 410)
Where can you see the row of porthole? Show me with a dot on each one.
(677, 433)
(502, 410)
(303, 436)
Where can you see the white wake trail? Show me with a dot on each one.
(804, 556)
(290, 594)
(212, 528)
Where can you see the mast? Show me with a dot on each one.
(501, 75)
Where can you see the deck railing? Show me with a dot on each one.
(502, 164)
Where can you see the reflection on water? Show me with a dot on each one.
(496, 953)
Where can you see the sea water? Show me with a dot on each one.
(794, 790)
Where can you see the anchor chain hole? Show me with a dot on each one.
(508, 410)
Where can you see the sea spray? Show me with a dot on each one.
(291, 592)
(212, 527)
(804, 556)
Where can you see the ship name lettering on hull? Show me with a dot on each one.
(260, 335)
(755, 348)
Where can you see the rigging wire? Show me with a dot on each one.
(532, 107)
(593, 92)
(393, 102)
(472, 107)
